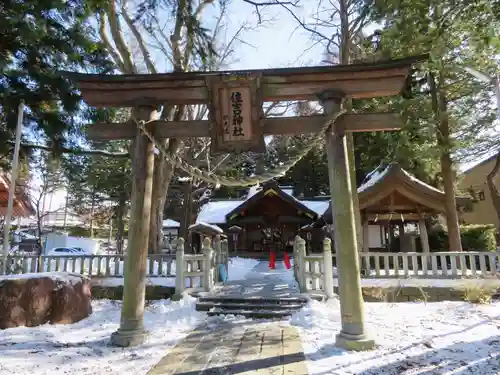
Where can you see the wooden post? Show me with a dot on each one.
(225, 252)
(301, 251)
(207, 271)
(180, 283)
(328, 264)
(131, 331)
(366, 236)
(352, 335)
(424, 238)
(218, 249)
(218, 256)
(296, 261)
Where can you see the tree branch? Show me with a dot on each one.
(74, 151)
(105, 40)
(258, 5)
(144, 51)
(117, 34)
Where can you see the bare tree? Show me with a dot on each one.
(51, 180)
(338, 25)
(171, 36)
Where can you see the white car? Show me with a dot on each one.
(66, 251)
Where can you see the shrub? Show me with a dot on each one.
(479, 293)
(474, 238)
(478, 237)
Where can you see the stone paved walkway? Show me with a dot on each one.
(252, 347)
(260, 348)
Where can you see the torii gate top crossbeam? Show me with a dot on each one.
(366, 80)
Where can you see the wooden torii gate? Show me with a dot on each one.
(236, 124)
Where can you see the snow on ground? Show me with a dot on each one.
(412, 338)
(73, 278)
(240, 267)
(84, 348)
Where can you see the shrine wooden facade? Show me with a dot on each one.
(389, 199)
(266, 220)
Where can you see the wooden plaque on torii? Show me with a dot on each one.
(235, 112)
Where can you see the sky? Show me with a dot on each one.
(276, 42)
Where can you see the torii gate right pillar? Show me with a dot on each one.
(352, 335)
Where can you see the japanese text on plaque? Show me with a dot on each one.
(236, 104)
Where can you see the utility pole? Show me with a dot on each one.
(12, 188)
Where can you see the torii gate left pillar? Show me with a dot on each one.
(131, 331)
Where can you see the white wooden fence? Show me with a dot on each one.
(197, 271)
(316, 272)
(159, 265)
(200, 272)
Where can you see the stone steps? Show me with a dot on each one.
(263, 308)
(207, 306)
(256, 314)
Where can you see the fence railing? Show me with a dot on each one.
(430, 265)
(194, 271)
(316, 272)
(200, 272)
(158, 265)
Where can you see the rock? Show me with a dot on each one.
(71, 304)
(34, 299)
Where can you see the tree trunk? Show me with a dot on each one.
(162, 177)
(186, 216)
(120, 225)
(494, 192)
(164, 171)
(92, 205)
(110, 234)
(439, 105)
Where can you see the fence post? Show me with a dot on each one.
(225, 255)
(302, 265)
(296, 260)
(207, 269)
(217, 256)
(180, 283)
(328, 267)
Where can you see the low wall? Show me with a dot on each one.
(153, 292)
(405, 294)
(417, 294)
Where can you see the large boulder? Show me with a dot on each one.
(52, 297)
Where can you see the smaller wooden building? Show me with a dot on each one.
(394, 204)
